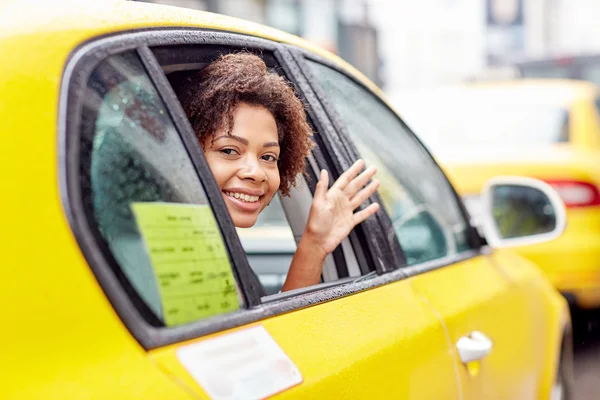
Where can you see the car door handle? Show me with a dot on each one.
(474, 347)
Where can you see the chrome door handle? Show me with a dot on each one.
(474, 347)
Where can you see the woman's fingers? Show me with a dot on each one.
(357, 183)
(364, 194)
(349, 175)
(322, 185)
(360, 216)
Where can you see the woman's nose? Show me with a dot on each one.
(252, 170)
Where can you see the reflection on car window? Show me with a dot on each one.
(425, 214)
(134, 155)
(270, 246)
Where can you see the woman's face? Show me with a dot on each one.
(244, 163)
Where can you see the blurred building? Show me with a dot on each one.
(341, 26)
(407, 44)
(429, 43)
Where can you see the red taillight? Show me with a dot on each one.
(576, 193)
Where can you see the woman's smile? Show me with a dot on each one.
(243, 197)
(248, 200)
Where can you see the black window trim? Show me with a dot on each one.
(476, 242)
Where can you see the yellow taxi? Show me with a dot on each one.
(547, 129)
(124, 277)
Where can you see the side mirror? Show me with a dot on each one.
(519, 211)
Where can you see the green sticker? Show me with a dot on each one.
(189, 260)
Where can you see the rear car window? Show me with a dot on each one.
(143, 196)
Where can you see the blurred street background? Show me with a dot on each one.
(411, 47)
(403, 44)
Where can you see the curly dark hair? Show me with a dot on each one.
(210, 97)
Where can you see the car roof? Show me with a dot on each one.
(556, 92)
(73, 22)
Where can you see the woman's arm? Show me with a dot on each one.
(330, 221)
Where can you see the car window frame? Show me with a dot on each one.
(477, 243)
(82, 61)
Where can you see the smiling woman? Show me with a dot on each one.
(249, 152)
(255, 138)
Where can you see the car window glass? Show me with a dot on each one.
(424, 211)
(179, 268)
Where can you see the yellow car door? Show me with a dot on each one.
(490, 303)
(154, 228)
(503, 319)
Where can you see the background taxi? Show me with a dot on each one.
(546, 129)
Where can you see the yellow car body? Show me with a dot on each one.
(572, 262)
(63, 338)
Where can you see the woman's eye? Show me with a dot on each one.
(270, 158)
(229, 152)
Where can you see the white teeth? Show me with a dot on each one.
(244, 197)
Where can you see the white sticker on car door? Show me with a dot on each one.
(246, 364)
